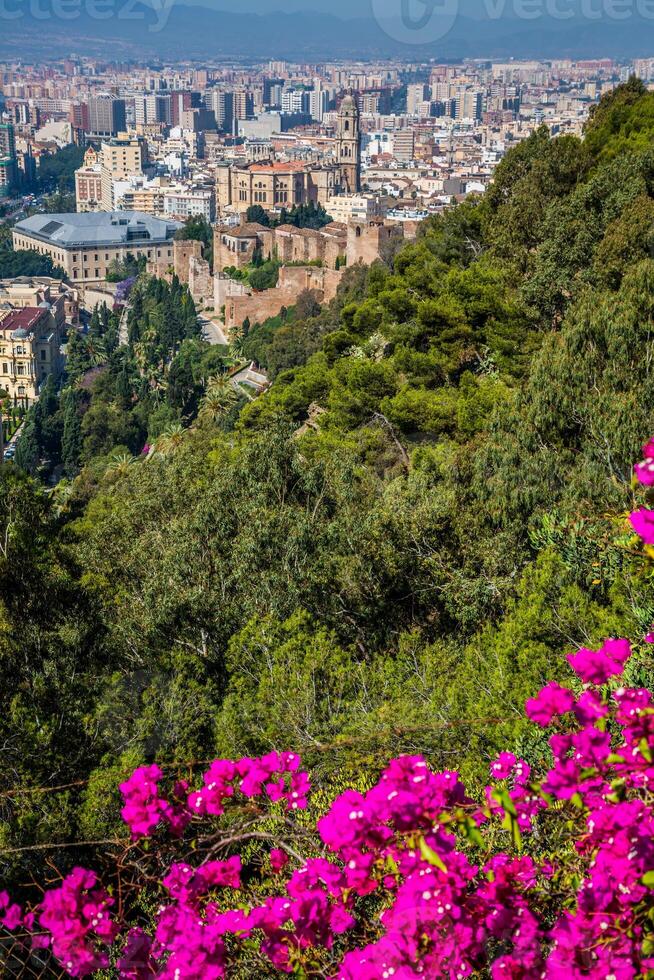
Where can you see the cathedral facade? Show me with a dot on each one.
(275, 185)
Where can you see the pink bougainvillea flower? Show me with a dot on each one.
(551, 701)
(278, 860)
(642, 521)
(503, 765)
(597, 666)
(11, 915)
(645, 470)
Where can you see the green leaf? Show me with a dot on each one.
(431, 856)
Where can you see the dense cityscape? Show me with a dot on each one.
(359, 153)
(326, 467)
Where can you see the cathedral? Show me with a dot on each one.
(348, 142)
(275, 184)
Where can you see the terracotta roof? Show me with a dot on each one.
(24, 319)
(294, 166)
(250, 230)
(305, 232)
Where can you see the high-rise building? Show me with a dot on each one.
(181, 102)
(295, 101)
(7, 140)
(106, 116)
(469, 104)
(221, 103)
(152, 108)
(404, 145)
(415, 96)
(78, 116)
(318, 102)
(243, 104)
(272, 91)
(8, 170)
(348, 143)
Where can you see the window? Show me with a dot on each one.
(5, 369)
(43, 355)
(20, 369)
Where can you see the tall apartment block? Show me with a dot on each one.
(106, 116)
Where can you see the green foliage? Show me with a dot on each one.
(301, 215)
(386, 552)
(131, 265)
(257, 215)
(26, 262)
(198, 229)
(265, 276)
(622, 122)
(57, 172)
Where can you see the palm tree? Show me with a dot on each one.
(170, 439)
(237, 349)
(219, 397)
(119, 465)
(96, 351)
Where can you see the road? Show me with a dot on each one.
(213, 331)
(12, 442)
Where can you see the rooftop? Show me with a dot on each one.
(25, 319)
(249, 230)
(293, 166)
(97, 228)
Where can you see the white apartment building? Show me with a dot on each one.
(189, 202)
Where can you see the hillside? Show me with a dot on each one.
(398, 576)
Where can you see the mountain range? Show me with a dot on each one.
(168, 29)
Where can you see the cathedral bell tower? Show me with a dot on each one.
(348, 143)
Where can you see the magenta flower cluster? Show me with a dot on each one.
(454, 901)
(548, 877)
(275, 775)
(77, 917)
(642, 520)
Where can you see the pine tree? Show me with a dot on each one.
(27, 449)
(71, 442)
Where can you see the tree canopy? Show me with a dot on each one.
(386, 552)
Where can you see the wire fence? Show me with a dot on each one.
(19, 958)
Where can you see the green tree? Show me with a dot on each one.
(71, 440)
(198, 229)
(27, 448)
(257, 215)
